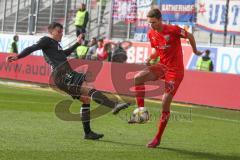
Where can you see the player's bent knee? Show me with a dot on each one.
(85, 99)
(85, 89)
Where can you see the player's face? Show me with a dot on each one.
(57, 34)
(155, 23)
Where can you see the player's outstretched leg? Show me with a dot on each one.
(119, 106)
(100, 98)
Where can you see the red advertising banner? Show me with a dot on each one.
(208, 88)
(31, 68)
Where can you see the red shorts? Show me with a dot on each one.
(172, 78)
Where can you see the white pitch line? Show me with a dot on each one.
(25, 86)
(217, 118)
(211, 117)
(198, 115)
(29, 102)
(173, 103)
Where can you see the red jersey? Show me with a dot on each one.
(168, 46)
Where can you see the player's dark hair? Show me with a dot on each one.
(154, 13)
(54, 25)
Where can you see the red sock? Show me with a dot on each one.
(140, 93)
(162, 124)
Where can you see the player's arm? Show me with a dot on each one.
(192, 42)
(154, 53)
(27, 51)
(71, 49)
(182, 33)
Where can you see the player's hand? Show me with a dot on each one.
(80, 38)
(11, 58)
(199, 53)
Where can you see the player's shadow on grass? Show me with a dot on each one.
(201, 155)
(122, 143)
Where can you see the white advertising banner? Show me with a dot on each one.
(24, 41)
(211, 16)
(228, 60)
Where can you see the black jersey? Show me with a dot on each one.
(52, 51)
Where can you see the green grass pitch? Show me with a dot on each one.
(29, 129)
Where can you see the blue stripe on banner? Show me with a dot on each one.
(178, 11)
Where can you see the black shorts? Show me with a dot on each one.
(69, 82)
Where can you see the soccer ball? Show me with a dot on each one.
(140, 115)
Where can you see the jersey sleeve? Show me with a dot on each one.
(182, 33)
(41, 44)
(150, 37)
(71, 49)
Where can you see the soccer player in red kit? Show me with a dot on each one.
(166, 43)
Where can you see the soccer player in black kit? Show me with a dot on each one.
(68, 80)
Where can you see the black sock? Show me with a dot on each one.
(85, 117)
(100, 98)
